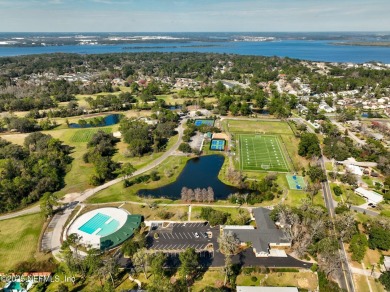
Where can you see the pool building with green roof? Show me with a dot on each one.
(105, 228)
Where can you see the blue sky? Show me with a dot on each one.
(194, 15)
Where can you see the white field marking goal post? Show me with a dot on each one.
(265, 166)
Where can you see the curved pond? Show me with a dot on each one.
(106, 121)
(199, 172)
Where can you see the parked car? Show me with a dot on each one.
(196, 235)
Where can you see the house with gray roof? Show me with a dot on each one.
(267, 239)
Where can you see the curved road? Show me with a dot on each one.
(86, 194)
(61, 218)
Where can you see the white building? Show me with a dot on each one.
(370, 196)
(325, 107)
(355, 169)
(386, 263)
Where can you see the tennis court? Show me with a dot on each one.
(295, 182)
(217, 144)
(261, 152)
(208, 122)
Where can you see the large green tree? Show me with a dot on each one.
(309, 145)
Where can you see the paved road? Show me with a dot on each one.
(346, 278)
(362, 210)
(300, 120)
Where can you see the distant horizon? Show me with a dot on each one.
(194, 16)
(318, 31)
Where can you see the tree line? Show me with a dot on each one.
(29, 171)
(198, 194)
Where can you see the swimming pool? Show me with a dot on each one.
(101, 223)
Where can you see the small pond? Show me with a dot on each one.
(199, 172)
(106, 121)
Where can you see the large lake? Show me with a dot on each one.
(314, 50)
(199, 172)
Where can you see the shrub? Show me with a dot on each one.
(185, 147)
(154, 176)
(253, 278)
(165, 214)
(337, 190)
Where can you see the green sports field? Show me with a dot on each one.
(262, 152)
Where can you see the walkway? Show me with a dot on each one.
(32, 210)
(363, 272)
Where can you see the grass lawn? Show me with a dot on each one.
(290, 142)
(348, 195)
(329, 166)
(295, 197)
(371, 258)
(15, 138)
(77, 178)
(261, 152)
(173, 165)
(305, 280)
(213, 278)
(139, 162)
(376, 285)
(361, 284)
(177, 213)
(85, 135)
(268, 127)
(19, 240)
(360, 217)
(246, 280)
(385, 213)
(195, 212)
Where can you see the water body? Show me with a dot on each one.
(107, 121)
(199, 172)
(313, 50)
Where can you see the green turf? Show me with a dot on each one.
(85, 135)
(261, 152)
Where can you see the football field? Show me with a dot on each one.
(262, 152)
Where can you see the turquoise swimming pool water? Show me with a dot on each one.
(100, 221)
(13, 285)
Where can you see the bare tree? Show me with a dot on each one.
(190, 195)
(345, 226)
(228, 268)
(142, 259)
(204, 195)
(228, 243)
(184, 194)
(198, 194)
(210, 194)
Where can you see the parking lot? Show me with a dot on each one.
(180, 236)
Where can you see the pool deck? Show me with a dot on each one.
(120, 215)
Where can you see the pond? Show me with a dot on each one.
(106, 121)
(199, 172)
